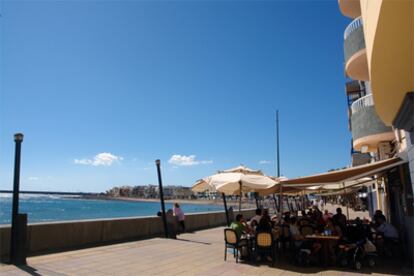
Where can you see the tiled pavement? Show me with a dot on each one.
(199, 253)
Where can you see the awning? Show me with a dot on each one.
(336, 179)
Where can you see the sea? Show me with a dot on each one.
(46, 208)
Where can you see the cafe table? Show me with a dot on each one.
(324, 240)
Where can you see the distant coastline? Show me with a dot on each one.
(218, 202)
(122, 198)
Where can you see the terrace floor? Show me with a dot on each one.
(199, 253)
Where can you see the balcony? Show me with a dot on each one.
(356, 64)
(354, 90)
(359, 158)
(350, 8)
(367, 128)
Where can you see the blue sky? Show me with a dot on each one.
(102, 89)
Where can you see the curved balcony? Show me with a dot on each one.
(367, 128)
(350, 8)
(359, 158)
(356, 63)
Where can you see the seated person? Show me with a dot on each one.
(256, 219)
(319, 223)
(378, 214)
(303, 213)
(305, 219)
(333, 227)
(276, 220)
(340, 219)
(335, 230)
(264, 225)
(299, 240)
(265, 213)
(327, 216)
(389, 234)
(240, 226)
(387, 230)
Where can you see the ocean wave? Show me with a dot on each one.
(37, 196)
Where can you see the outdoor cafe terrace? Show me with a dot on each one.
(198, 253)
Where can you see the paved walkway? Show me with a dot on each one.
(199, 253)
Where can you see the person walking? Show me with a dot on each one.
(180, 216)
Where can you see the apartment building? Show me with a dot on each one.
(379, 64)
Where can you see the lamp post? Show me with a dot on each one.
(164, 218)
(14, 243)
(278, 163)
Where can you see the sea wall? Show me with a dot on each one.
(60, 236)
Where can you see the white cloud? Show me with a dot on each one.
(101, 159)
(33, 178)
(264, 162)
(190, 160)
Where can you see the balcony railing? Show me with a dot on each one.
(362, 103)
(355, 24)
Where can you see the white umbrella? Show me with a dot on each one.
(234, 183)
(201, 186)
(242, 169)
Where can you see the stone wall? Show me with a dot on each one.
(60, 236)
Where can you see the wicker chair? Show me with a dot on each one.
(265, 243)
(284, 237)
(231, 241)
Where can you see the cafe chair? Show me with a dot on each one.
(284, 238)
(232, 241)
(266, 245)
(306, 230)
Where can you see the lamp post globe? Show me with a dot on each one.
(18, 137)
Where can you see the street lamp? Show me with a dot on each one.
(19, 221)
(164, 218)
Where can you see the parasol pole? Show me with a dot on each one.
(274, 200)
(240, 196)
(256, 199)
(225, 209)
(345, 200)
(303, 199)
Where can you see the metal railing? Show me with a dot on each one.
(361, 103)
(355, 24)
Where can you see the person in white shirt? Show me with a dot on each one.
(256, 219)
(390, 237)
(387, 230)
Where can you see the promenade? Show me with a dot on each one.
(199, 253)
